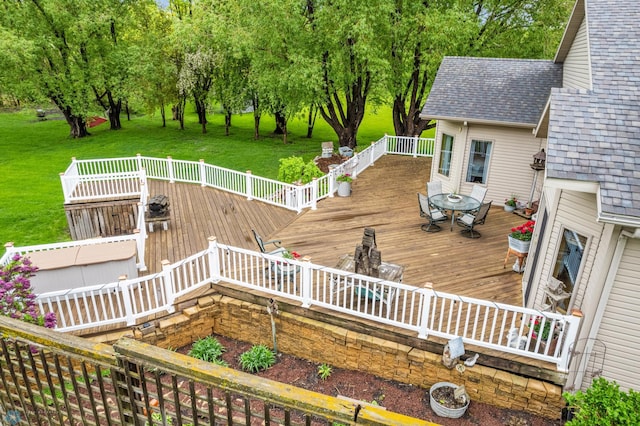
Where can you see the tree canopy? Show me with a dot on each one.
(284, 57)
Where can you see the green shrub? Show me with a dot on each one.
(293, 169)
(603, 403)
(310, 171)
(208, 349)
(259, 357)
(324, 371)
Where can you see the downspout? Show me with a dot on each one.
(604, 299)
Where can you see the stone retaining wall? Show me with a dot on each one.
(324, 343)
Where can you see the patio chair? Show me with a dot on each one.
(432, 217)
(435, 188)
(478, 192)
(262, 244)
(280, 269)
(470, 220)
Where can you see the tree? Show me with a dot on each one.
(349, 41)
(17, 299)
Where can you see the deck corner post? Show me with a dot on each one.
(427, 293)
(168, 285)
(172, 178)
(249, 185)
(203, 173)
(415, 146)
(573, 323)
(214, 259)
(306, 282)
(126, 299)
(314, 194)
(139, 161)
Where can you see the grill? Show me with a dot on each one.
(159, 206)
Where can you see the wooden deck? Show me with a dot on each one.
(384, 198)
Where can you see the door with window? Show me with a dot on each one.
(479, 159)
(567, 264)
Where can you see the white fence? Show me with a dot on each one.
(426, 312)
(107, 178)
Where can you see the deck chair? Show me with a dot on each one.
(470, 220)
(280, 269)
(435, 188)
(262, 244)
(432, 217)
(478, 192)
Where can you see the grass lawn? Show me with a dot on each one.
(36, 152)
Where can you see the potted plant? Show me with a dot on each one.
(542, 331)
(344, 184)
(520, 237)
(510, 204)
(445, 402)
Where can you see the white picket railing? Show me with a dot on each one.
(496, 326)
(106, 178)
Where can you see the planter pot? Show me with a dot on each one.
(509, 209)
(344, 189)
(518, 245)
(443, 411)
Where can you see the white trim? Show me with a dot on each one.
(572, 185)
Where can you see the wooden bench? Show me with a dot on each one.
(163, 220)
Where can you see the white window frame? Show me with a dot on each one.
(445, 155)
(472, 174)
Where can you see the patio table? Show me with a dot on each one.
(465, 204)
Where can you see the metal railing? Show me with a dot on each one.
(501, 327)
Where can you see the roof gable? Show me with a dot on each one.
(492, 90)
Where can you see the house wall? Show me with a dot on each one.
(511, 155)
(576, 69)
(619, 330)
(576, 211)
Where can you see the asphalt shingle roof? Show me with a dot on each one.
(510, 91)
(594, 135)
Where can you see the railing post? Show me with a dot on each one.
(172, 178)
(126, 300)
(143, 185)
(65, 190)
(569, 340)
(415, 146)
(306, 282)
(314, 194)
(140, 235)
(372, 153)
(168, 285)
(139, 161)
(427, 293)
(249, 185)
(214, 259)
(299, 198)
(331, 178)
(203, 173)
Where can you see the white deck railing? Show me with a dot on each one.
(495, 326)
(122, 177)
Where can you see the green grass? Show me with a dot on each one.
(34, 153)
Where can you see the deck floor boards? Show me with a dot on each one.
(384, 198)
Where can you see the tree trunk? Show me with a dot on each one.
(256, 118)
(178, 111)
(163, 115)
(311, 120)
(227, 122)
(114, 113)
(201, 110)
(281, 123)
(77, 125)
(126, 108)
(345, 123)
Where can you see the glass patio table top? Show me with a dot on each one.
(465, 204)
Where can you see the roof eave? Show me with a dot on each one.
(531, 126)
(570, 31)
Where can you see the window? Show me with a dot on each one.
(479, 161)
(446, 149)
(568, 263)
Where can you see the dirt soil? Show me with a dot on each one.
(324, 163)
(394, 396)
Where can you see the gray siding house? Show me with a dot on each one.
(583, 108)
